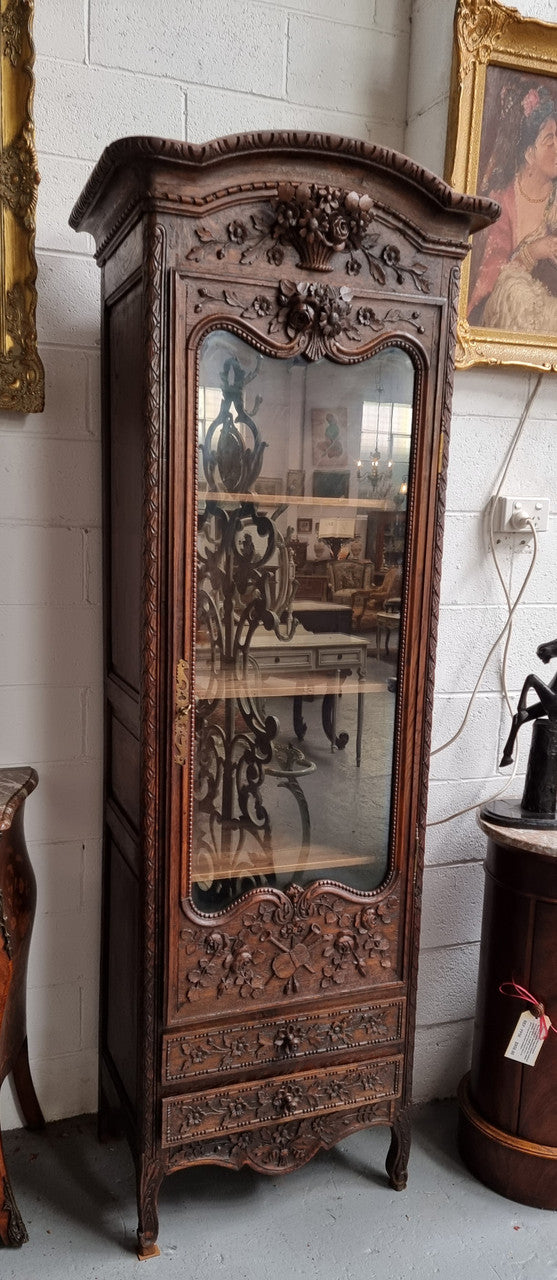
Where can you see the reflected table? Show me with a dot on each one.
(323, 661)
(307, 666)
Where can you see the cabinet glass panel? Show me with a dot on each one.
(303, 477)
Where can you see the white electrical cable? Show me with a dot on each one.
(511, 607)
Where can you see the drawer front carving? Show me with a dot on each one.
(280, 1040)
(247, 1106)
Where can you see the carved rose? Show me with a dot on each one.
(286, 1041)
(353, 267)
(237, 232)
(320, 312)
(275, 255)
(391, 255)
(262, 305)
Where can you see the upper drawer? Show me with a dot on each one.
(189, 1054)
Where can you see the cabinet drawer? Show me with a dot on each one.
(192, 1054)
(247, 1106)
(289, 660)
(338, 658)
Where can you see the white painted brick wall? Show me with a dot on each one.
(103, 71)
(486, 409)
(196, 71)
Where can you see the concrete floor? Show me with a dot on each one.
(335, 1219)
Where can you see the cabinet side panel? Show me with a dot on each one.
(122, 934)
(125, 382)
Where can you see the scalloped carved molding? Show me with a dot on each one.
(282, 1147)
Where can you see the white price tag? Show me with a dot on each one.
(526, 1040)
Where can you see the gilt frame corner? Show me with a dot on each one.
(21, 370)
(493, 46)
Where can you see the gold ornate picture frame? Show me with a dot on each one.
(21, 371)
(502, 143)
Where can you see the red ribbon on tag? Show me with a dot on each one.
(520, 993)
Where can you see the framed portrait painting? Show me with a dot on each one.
(329, 435)
(295, 484)
(502, 144)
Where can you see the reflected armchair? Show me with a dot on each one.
(367, 604)
(348, 579)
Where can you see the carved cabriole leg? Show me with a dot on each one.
(25, 1090)
(397, 1158)
(328, 720)
(300, 726)
(149, 1177)
(12, 1228)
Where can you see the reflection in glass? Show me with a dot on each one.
(298, 616)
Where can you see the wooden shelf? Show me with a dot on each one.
(273, 500)
(290, 861)
(312, 684)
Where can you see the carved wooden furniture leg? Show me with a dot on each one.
(396, 1163)
(17, 908)
(150, 1174)
(25, 1089)
(12, 1227)
(300, 726)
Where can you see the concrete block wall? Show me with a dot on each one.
(487, 407)
(104, 71)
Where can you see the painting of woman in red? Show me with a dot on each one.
(513, 280)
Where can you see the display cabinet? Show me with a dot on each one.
(278, 318)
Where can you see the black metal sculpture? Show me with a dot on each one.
(547, 705)
(538, 805)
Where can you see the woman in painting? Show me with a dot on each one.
(516, 284)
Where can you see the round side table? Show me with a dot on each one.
(507, 1110)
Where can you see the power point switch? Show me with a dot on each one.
(512, 515)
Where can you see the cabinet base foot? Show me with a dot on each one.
(512, 1166)
(144, 1252)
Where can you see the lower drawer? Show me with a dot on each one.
(249, 1105)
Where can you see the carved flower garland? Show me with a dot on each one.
(319, 222)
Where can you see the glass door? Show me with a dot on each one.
(303, 477)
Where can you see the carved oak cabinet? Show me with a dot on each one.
(278, 328)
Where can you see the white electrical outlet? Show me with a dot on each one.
(510, 515)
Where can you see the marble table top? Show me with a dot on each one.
(535, 840)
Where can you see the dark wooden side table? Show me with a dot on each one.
(17, 909)
(508, 1111)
